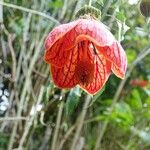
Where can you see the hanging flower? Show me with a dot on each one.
(84, 52)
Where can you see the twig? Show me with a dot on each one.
(54, 141)
(117, 94)
(1, 13)
(29, 123)
(47, 136)
(80, 122)
(66, 136)
(30, 11)
(24, 47)
(13, 55)
(90, 2)
(106, 7)
(39, 73)
(13, 118)
(64, 9)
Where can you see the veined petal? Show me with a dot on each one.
(95, 31)
(56, 55)
(117, 56)
(58, 42)
(101, 74)
(64, 77)
(58, 32)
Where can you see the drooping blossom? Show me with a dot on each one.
(84, 53)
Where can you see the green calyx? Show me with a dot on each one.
(145, 8)
(88, 11)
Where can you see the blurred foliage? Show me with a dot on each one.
(128, 122)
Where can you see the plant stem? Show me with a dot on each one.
(13, 118)
(106, 7)
(54, 141)
(80, 122)
(90, 2)
(30, 121)
(66, 137)
(1, 13)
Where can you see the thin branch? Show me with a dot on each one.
(54, 141)
(106, 7)
(13, 55)
(39, 73)
(13, 118)
(30, 11)
(90, 2)
(1, 13)
(66, 136)
(64, 9)
(30, 122)
(47, 136)
(80, 122)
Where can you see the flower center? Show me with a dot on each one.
(84, 72)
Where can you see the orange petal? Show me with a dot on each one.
(117, 56)
(57, 43)
(101, 74)
(64, 77)
(58, 32)
(56, 55)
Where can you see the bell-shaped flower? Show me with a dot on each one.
(84, 53)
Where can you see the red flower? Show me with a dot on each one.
(84, 52)
(139, 82)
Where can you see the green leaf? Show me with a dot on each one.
(72, 100)
(101, 2)
(135, 100)
(120, 15)
(131, 55)
(56, 4)
(146, 109)
(121, 115)
(3, 141)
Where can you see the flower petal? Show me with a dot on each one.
(58, 32)
(64, 77)
(56, 55)
(117, 56)
(57, 43)
(101, 74)
(94, 31)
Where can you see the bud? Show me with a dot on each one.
(145, 8)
